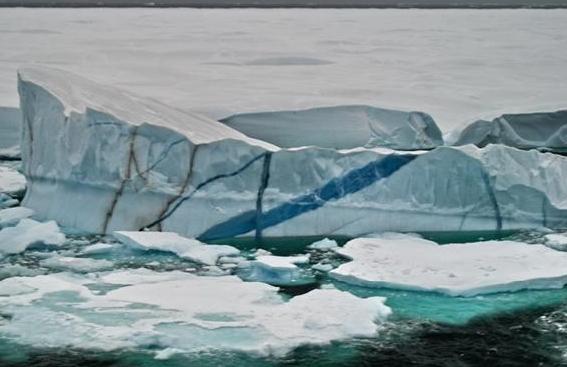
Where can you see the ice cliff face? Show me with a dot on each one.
(545, 131)
(341, 127)
(101, 160)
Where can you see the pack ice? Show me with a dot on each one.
(394, 260)
(341, 127)
(100, 160)
(162, 310)
(546, 131)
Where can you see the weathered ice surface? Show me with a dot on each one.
(545, 131)
(401, 261)
(341, 127)
(154, 311)
(101, 160)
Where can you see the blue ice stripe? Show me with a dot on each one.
(337, 188)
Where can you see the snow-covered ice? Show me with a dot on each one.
(557, 241)
(544, 131)
(187, 248)
(12, 216)
(412, 263)
(276, 270)
(341, 127)
(167, 166)
(181, 311)
(76, 264)
(27, 233)
(12, 182)
(324, 244)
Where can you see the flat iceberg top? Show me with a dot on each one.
(78, 94)
(406, 262)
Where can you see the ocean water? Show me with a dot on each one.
(526, 328)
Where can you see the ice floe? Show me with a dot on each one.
(412, 263)
(187, 248)
(276, 270)
(324, 244)
(179, 311)
(557, 241)
(12, 216)
(11, 181)
(27, 233)
(76, 264)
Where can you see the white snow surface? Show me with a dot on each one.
(76, 264)
(180, 311)
(12, 182)
(557, 241)
(27, 233)
(460, 66)
(12, 216)
(341, 127)
(463, 269)
(187, 248)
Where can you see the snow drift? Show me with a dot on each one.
(101, 160)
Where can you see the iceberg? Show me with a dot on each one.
(546, 131)
(341, 127)
(187, 248)
(407, 262)
(28, 232)
(156, 311)
(102, 160)
(276, 270)
(10, 125)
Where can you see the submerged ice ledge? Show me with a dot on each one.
(101, 160)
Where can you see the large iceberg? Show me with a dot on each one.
(101, 160)
(341, 127)
(543, 130)
(401, 261)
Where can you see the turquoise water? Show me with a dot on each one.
(526, 328)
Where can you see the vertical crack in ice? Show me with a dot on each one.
(264, 181)
(493, 200)
(208, 181)
(118, 194)
(161, 158)
(184, 185)
(543, 211)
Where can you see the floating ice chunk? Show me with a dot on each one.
(76, 264)
(324, 244)
(11, 181)
(97, 248)
(172, 242)
(6, 201)
(544, 131)
(17, 270)
(11, 216)
(179, 311)
(341, 127)
(27, 233)
(322, 267)
(406, 262)
(276, 270)
(557, 241)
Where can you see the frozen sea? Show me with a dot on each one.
(457, 65)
